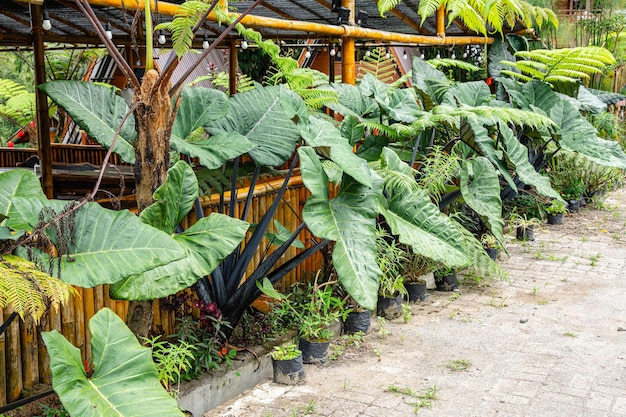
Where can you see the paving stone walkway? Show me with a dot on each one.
(551, 342)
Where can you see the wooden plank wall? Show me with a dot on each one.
(23, 358)
(70, 154)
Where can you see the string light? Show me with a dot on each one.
(368, 52)
(422, 56)
(307, 55)
(438, 55)
(244, 43)
(205, 42)
(46, 24)
(333, 51)
(453, 56)
(387, 53)
(107, 31)
(161, 38)
(404, 55)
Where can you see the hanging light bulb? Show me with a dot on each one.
(161, 38)
(307, 54)
(46, 24)
(339, 54)
(387, 53)
(404, 55)
(244, 43)
(107, 31)
(453, 56)
(205, 42)
(333, 51)
(464, 54)
(422, 56)
(438, 55)
(368, 52)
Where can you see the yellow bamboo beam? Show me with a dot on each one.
(441, 22)
(317, 28)
(348, 64)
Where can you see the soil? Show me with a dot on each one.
(33, 409)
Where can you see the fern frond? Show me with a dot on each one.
(378, 65)
(316, 99)
(181, 27)
(453, 63)
(385, 5)
(10, 88)
(427, 8)
(28, 290)
(516, 75)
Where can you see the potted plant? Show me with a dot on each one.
(287, 364)
(390, 257)
(555, 212)
(524, 226)
(491, 245)
(572, 193)
(416, 270)
(446, 280)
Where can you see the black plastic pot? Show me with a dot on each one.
(492, 252)
(525, 233)
(357, 321)
(416, 291)
(555, 218)
(389, 308)
(288, 372)
(573, 206)
(447, 282)
(315, 353)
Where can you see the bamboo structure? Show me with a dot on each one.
(23, 357)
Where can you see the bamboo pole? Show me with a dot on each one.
(79, 326)
(441, 22)
(14, 355)
(89, 312)
(3, 367)
(30, 354)
(320, 29)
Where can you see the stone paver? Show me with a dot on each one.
(567, 359)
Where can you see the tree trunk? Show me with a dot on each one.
(153, 122)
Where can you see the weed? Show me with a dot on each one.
(454, 313)
(454, 296)
(378, 353)
(570, 334)
(534, 291)
(458, 365)
(584, 239)
(564, 280)
(382, 330)
(52, 412)
(407, 313)
(543, 302)
(418, 400)
(557, 258)
(594, 259)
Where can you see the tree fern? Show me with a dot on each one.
(453, 63)
(16, 103)
(566, 64)
(378, 65)
(181, 27)
(28, 290)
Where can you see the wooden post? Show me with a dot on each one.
(3, 369)
(43, 122)
(14, 362)
(30, 354)
(348, 72)
(441, 22)
(232, 68)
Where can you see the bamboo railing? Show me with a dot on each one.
(23, 357)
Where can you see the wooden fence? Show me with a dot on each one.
(23, 357)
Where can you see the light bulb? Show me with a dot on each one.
(307, 54)
(338, 54)
(438, 55)
(368, 52)
(161, 38)
(422, 56)
(404, 55)
(464, 54)
(333, 51)
(387, 54)
(244, 44)
(453, 56)
(205, 44)
(46, 24)
(107, 31)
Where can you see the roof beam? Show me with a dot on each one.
(320, 29)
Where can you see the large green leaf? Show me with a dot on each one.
(578, 135)
(371, 86)
(321, 133)
(351, 129)
(349, 219)
(480, 187)
(18, 182)
(518, 155)
(124, 382)
(198, 106)
(207, 243)
(214, 151)
(282, 235)
(98, 110)
(173, 199)
(475, 93)
(498, 51)
(402, 106)
(259, 116)
(412, 216)
(590, 102)
(475, 135)
(352, 102)
(108, 245)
